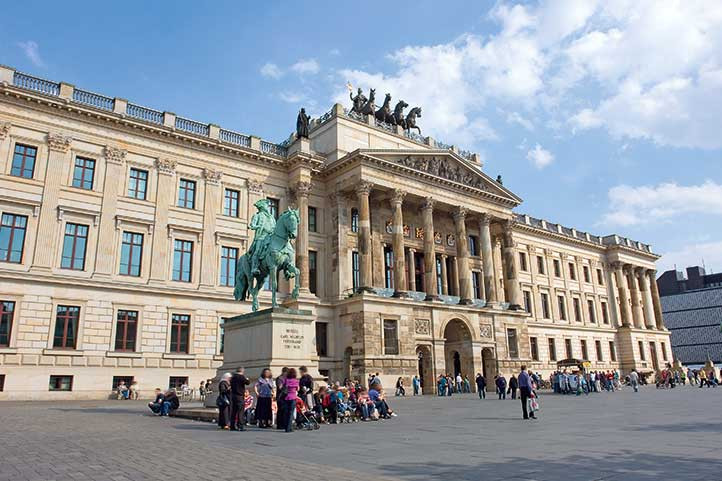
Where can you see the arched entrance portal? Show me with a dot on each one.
(423, 353)
(488, 364)
(458, 353)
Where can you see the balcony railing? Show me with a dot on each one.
(94, 100)
(37, 84)
(144, 113)
(273, 149)
(192, 126)
(235, 138)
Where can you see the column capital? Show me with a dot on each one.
(412, 250)
(652, 273)
(212, 177)
(364, 188)
(4, 129)
(428, 203)
(114, 155)
(640, 271)
(460, 214)
(443, 256)
(166, 166)
(397, 197)
(302, 188)
(485, 219)
(58, 142)
(254, 186)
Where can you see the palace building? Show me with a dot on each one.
(121, 227)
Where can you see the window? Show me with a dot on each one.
(389, 267)
(600, 277)
(127, 380)
(473, 245)
(540, 265)
(312, 271)
(557, 268)
(664, 351)
(138, 184)
(182, 261)
(552, 350)
(598, 348)
(592, 311)
(2, 382)
(439, 277)
(322, 339)
(354, 220)
(577, 310)
(312, 225)
(534, 349)
(222, 334)
(274, 207)
(512, 343)
(66, 327)
(131, 254)
(612, 352)
(605, 313)
(476, 284)
(391, 337)
(61, 383)
(587, 277)
(187, 194)
(230, 203)
(7, 312)
(545, 305)
(522, 261)
(12, 237)
(126, 328)
(24, 161)
(572, 272)
(527, 302)
(642, 355)
(585, 352)
(74, 244)
(229, 257)
(177, 382)
(355, 270)
(568, 346)
(179, 330)
(562, 308)
(83, 173)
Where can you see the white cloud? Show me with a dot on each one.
(32, 52)
(306, 66)
(540, 157)
(630, 205)
(517, 118)
(693, 255)
(291, 97)
(271, 70)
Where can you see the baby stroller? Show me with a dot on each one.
(305, 419)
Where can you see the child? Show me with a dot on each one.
(247, 406)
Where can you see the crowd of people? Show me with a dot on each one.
(564, 382)
(446, 384)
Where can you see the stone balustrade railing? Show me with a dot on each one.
(94, 100)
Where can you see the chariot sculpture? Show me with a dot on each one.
(366, 106)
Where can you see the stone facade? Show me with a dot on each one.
(456, 300)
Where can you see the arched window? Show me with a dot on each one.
(354, 220)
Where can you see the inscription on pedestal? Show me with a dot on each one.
(292, 339)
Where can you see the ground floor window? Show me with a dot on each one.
(391, 336)
(568, 346)
(513, 343)
(585, 352)
(642, 355)
(127, 380)
(534, 348)
(61, 383)
(598, 347)
(2, 382)
(612, 352)
(176, 382)
(552, 350)
(322, 338)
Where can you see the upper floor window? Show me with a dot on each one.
(138, 184)
(7, 313)
(274, 207)
(131, 254)
(557, 268)
(522, 261)
(476, 284)
(74, 245)
(572, 272)
(312, 223)
(592, 310)
(552, 350)
(473, 245)
(230, 203)
(527, 302)
(312, 271)
(540, 265)
(587, 277)
(545, 305)
(605, 313)
(24, 161)
(187, 194)
(612, 352)
(600, 277)
(126, 328)
(182, 260)
(229, 257)
(355, 270)
(389, 267)
(84, 173)
(67, 319)
(585, 351)
(354, 220)
(12, 237)
(598, 348)
(179, 332)
(577, 310)
(568, 347)
(562, 308)
(513, 343)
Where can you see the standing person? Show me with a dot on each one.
(525, 390)
(290, 386)
(238, 391)
(223, 402)
(459, 382)
(513, 386)
(501, 386)
(634, 380)
(306, 385)
(442, 385)
(400, 390)
(280, 396)
(449, 384)
(481, 386)
(416, 382)
(264, 398)
(467, 386)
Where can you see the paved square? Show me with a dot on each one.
(654, 435)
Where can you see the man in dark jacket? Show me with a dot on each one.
(238, 391)
(481, 386)
(513, 386)
(501, 386)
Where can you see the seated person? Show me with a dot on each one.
(171, 399)
(364, 404)
(160, 405)
(123, 392)
(329, 403)
(379, 403)
(248, 406)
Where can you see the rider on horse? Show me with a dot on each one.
(263, 223)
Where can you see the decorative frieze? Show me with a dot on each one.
(422, 327)
(445, 169)
(58, 142)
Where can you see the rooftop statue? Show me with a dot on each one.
(302, 123)
(410, 121)
(369, 107)
(398, 115)
(358, 101)
(384, 113)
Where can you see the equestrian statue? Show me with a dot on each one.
(270, 251)
(366, 106)
(384, 113)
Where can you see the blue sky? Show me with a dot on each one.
(603, 116)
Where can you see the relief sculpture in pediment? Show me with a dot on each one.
(443, 168)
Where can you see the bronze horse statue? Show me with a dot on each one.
(369, 107)
(384, 113)
(398, 115)
(410, 121)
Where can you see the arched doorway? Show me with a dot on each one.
(423, 354)
(458, 353)
(488, 365)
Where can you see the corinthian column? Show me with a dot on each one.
(105, 260)
(302, 189)
(429, 250)
(363, 190)
(487, 257)
(511, 270)
(646, 295)
(637, 313)
(397, 236)
(659, 321)
(444, 276)
(624, 307)
(462, 255)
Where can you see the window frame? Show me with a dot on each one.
(183, 254)
(63, 345)
(231, 202)
(321, 334)
(612, 351)
(313, 271)
(176, 333)
(534, 348)
(577, 305)
(7, 317)
(523, 266)
(512, 334)
(600, 276)
(312, 219)
(355, 270)
(274, 207)
(562, 306)
(126, 322)
(476, 284)
(354, 220)
(546, 311)
(23, 164)
(473, 245)
(228, 264)
(605, 312)
(87, 165)
(134, 190)
(572, 271)
(585, 349)
(568, 348)
(388, 348)
(541, 265)
(642, 354)
(557, 268)
(598, 348)
(184, 187)
(74, 236)
(389, 267)
(132, 245)
(58, 381)
(552, 346)
(587, 274)
(528, 302)
(13, 233)
(592, 311)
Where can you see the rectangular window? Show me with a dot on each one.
(664, 351)
(12, 237)
(612, 351)
(312, 271)
(24, 161)
(534, 348)
(2, 382)
(600, 277)
(222, 334)
(527, 302)
(84, 173)
(229, 257)
(642, 354)
(131, 254)
(562, 303)
(592, 310)
(577, 310)
(182, 261)
(74, 245)
(230, 202)
(585, 351)
(187, 194)
(274, 207)
(7, 313)
(572, 272)
(522, 262)
(127, 380)
(552, 350)
(322, 338)
(389, 267)
(605, 313)
(439, 277)
(126, 329)
(355, 270)
(391, 337)
(587, 277)
(67, 319)
(540, 265)
(179, 330)
(598, 348)
(513, 343)
(473, 245)
(138, 184)
(354, 220)
(545, 305)
(61, 383)
(177, 382)
(568, 347)
(312, 224)
(476, 284)
(557, 268)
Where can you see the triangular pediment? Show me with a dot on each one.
(447, 166)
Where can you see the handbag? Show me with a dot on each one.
(222, 401)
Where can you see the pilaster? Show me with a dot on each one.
(211, 207)
(114, 172)
(164, 199)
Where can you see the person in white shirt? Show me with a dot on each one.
(634, 380)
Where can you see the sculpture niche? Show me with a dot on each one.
(270, 251)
